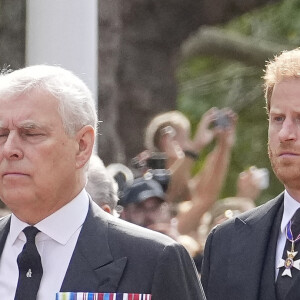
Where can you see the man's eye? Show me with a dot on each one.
(278, 118)
(3, 134)
(33, 134)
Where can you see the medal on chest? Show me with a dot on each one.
(289, 262)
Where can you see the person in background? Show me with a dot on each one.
(225, 209)
(170, 133)
(256, 255)
(102, 188)
(122, 175)
(249, 187)
(144, 204)
(250, 184)
(57, 242)
(205, 187)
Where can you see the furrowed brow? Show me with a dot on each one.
(30, 125)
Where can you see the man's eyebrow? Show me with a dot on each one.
(29, 124)
(25, 125)
(275, 111)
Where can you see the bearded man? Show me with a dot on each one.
(256, 255)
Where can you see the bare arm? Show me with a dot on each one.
(206, 186)
(179, 187)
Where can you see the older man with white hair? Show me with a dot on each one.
(57, 242)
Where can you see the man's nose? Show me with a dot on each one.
(12, 147)
(288, 131)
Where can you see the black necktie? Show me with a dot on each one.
(284, 283)
(30, 267)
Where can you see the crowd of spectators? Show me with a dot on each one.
(163, 195)
(159, 191)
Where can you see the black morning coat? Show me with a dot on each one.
(112, 255)
(239, 256)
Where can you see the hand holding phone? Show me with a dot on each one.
(222, 120)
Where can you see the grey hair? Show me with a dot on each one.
(100, 184)
(75, 102)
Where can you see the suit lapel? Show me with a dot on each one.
(249, 249)
(268, 289)
(92, 267)
(294, 291)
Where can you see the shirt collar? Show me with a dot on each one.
(290, 205)
(59, 226)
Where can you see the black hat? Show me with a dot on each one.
(140, 190)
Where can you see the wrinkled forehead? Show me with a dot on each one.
(31, 109)
(287, 88)
(35, 95)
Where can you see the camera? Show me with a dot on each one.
(156, 168)
(222, 120)
(156, 160)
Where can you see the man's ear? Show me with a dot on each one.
(85, 139)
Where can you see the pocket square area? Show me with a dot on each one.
(101, 296)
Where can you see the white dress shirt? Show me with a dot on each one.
(290, 206)
(55, 243)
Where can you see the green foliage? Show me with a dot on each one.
(205, 82)
(277, 23)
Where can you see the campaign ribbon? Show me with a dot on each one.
(101, 296)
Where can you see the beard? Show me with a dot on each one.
(286, 170)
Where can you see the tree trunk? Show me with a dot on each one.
(139, 42)
(12, 34)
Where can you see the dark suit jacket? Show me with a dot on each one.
(239, 255)
(112, 255)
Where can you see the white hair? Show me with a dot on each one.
(100, 184)
(75, 102)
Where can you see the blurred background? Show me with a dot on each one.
(156, 56)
